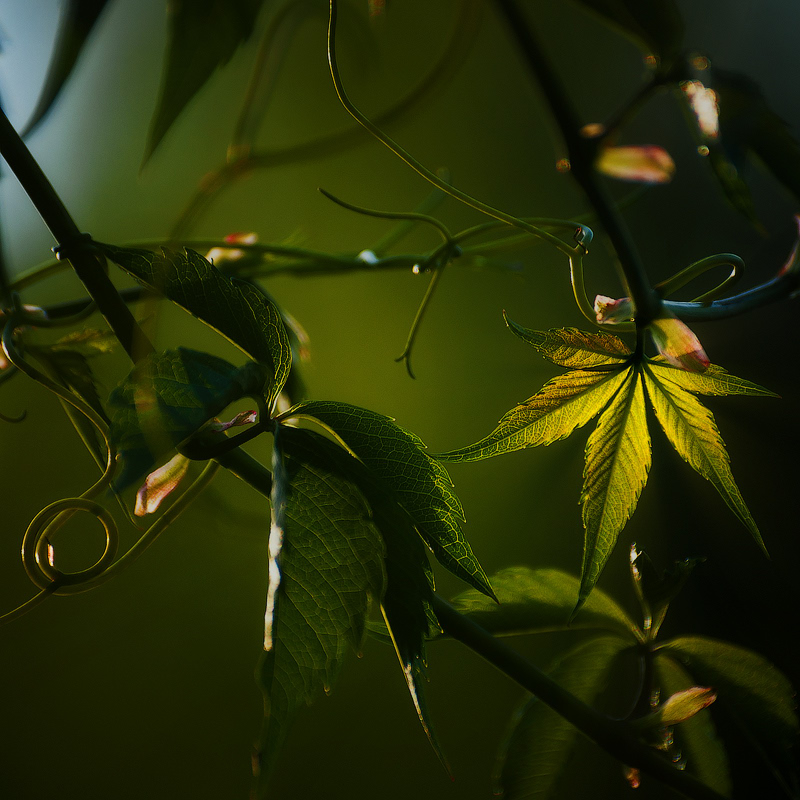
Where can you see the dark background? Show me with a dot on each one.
(144, 687)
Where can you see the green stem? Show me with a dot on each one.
(86, 260)
(581, 152)
(614, 736)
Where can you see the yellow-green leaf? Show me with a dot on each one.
(617, 462)
(565, 403)
(691, 429)
(713, 381)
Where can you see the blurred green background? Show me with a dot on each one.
(144, 687)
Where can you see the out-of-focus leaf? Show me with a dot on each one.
(574, 348)
(703, 102)
(637, 163)
(540, 600)
(541, 741)
(655, 25)
(563, 404)
(166, 398)
(331, 567)
(420, 484)
(617, 462)
(696, 738)
(78, 20)
(691, 429)
(684, 704)
(203, 36)
(237, 310)
(747, 684)
(73, 370)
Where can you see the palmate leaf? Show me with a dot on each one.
(235, 309)
(166, 398)
(541, 600)
(747, 684)
(331, 569)
(541, 741)
(617, 463)
(419, 483)
(203, 36)
(606, 377)
(691, 429)
(696, 738)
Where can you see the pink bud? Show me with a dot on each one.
(244, 418)
(676, 342)
(640, 163)
(612, 312)
(160, 484)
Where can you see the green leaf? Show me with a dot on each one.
(691, 429)
(331, 567)
(655, 25)
(235, 309)
(166, 398)
(420, 484)
(570, 347)
(747, 684)
(696, 738)
(565, 403)
(617, 462)
(203, 36)
(77, 22)
(540, 600)
(541, 741)
(713, 381)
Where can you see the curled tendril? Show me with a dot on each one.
(687, 275)
(38, 554)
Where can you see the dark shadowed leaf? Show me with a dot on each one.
(77, 22)
(655, 25)
(331, 567)
(617, 463)
(238, 311)
(691, 429)
(696, 738)
(747, 684)
(541, 741)
(203, 35)
(541, 600)
(167, 397)
(419, 483)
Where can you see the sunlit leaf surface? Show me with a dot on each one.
(237, 310)
(420, 484)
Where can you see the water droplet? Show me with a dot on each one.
(651, 61)
(655, 696)
(702, 150)
(563, 165)
(700, 62)
(593, 130)
(415, 269)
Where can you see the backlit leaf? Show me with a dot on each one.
(234, 308)
(540, 600)
(648, 164)
(696, 738)
(747, 684)
(420, 483)
(331, 566)
(166, 398)
(713, 381)
(541, 741)
(617, 463)
(691, 429)
(574, 348)
(203, 36)
(565, 403)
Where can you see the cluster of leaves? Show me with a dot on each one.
(352, 520)
(746, 686)
(607, 378)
